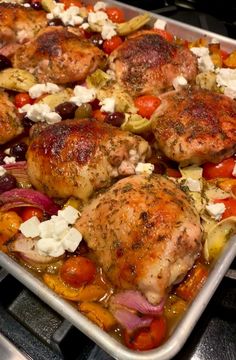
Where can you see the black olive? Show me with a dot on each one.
(115, 118)
(7, 182)
(96, 40)
(27, 123)
(55, 22)
(36, 5)
(4, 62)
(66, 110)
(19, 151)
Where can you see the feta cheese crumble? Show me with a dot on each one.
(160, 24)
(144, 168)
(9, 160)
(71, 16)
(100, 5)
(108, 104)
(193, 184)
(204, 60)
(99, 21)
(179, 82)
(2, 171)
(40, 113)
(227, 79)
(56, 235)
(216, 210)
(39, 89)
(82, 95)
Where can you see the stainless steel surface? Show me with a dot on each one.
(8, 351)
(184, 328)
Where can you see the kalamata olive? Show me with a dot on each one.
(115, 118)
(2, 156)
(36, 5)
(7, 182)
(55, 22)
(4, 62)
(83, 111)
(19, 151)
(27, 123)
(159, 168)
(66, 110)
(95, 104)
(96, 40)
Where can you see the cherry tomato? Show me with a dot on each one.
(147, 338)
(77, 271)
(224, 54)
(99, 115)
(146, 105)
(22, 99)
(230, 207)
(28, 212)
(223, 169)
(90, 8)
(115, 14)
(165, 34)
(112, 44)
(173, 172)
(69, 3)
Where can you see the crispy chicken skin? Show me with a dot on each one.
(144, 232)
(77, 157)
(147, 64)
(10, 124)
(59, 56)
(18, 25)
(193, 126)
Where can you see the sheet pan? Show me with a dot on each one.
(180, 334)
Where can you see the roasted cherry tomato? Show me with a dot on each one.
(224, 54)
(112, 44)
(115, 14)
(173, 173)
(69, 3)
(146, 105)
(147, 338)
(230, 207)
(28, 212)
(99, 115)
(77, 271)
(165, 34)
(224, 169)
(90, 8)
(22, 99)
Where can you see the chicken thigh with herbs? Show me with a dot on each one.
(147, 64)
(78, 157)
(59, 56)
(18, 24)
(193, 126)
(145, 234)
(10, 123)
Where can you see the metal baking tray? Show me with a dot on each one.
(182, 331)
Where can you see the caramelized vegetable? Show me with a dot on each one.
(174, 309)
(98, 314)
(230, 61)
(9, 225)
(77, 271)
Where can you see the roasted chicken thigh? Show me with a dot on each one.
(77, 157)
(59, 56)
(145, 233)
(193, 126)
(147, 64)
(10, 123)
(18, 25)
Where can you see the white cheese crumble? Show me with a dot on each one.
(102, 23)
(99, 6)
(179, 82)
(215, 41)
(82, 95)
(108, 104)
(204, 60)
(9, 160)
(2, 171)
(84, 26)
(144, 168)
(56, 235)
(160, 24)
(40, 113)
(216, 210)
(108, 31)
(39, 89)
(200, 51)
(7, 151)
(193, 184)
(227, 79)
(71, 16)
(234, 170)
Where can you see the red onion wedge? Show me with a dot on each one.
(26, 247)
(19, 171)
(135, 300)
(131, 321)
(27, 197)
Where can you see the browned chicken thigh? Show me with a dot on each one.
(195, 126)
(18, 25)
(144, 232)
(77, 157)
(59, 56)
(10, 124)
(147, 64)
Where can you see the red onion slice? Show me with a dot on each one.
(19, 171)
(131, 321)
(136, 301)
(27, 197)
